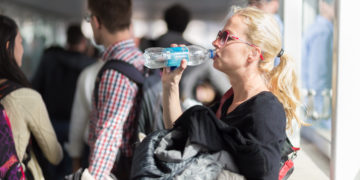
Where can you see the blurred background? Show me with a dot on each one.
(43, 24)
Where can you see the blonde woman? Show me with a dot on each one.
(262, 100)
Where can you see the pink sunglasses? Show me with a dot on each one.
(223, 36)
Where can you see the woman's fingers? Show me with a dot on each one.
(174, 76)
(183, 65)
(173, 45)
(177, 45)
(166, 70)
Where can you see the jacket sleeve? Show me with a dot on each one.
(42, 130)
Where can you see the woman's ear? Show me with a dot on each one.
(7, 45)
(254, 54)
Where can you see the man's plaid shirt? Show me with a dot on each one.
(111, 125)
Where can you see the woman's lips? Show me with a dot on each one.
(216, 55)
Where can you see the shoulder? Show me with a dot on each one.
(24, 98)
(267, 106)
(320, 28)
(266, 98)
(52, 52)
(26, 93)
(268, 115)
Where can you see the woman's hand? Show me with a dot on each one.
(172, 78)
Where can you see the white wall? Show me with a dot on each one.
(292, 44)
(345, 162)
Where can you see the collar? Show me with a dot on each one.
(114, 49)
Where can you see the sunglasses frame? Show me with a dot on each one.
(220, 37)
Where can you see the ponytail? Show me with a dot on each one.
(283, 84)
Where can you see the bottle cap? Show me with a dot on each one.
(212, 53)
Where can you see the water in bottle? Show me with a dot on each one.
(157, 57)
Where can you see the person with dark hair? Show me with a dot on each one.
(57, 73)
(177, 18)
(56, 79)
(112, 126)
(25, 108)
(75, 37)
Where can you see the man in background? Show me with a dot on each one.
(177, 18)
(317, 59)
(112, 125)
(55, 79)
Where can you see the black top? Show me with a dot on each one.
(56, 78)
(261, 120)
(253, 134)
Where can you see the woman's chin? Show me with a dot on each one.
(215, 65)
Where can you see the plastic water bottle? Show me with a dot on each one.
(157, 57)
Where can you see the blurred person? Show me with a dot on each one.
(205, 93)
(25, 107)
(317, 55)
(177, 17)
(58, 71)
(269, 6)
(77, 146)
(112, 125)
(262, 100)
(145, 43)
(55, 79)
(192, 88)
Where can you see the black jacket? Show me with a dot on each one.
(56, 78)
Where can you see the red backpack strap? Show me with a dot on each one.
(226, 96)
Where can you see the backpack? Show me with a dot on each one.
(148, 106)
(10, 166)
(149, 102)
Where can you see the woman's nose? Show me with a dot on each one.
(215, 43)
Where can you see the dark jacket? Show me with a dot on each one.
(56, 78)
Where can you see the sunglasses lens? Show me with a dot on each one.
(223, 37)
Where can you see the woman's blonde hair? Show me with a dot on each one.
(264, 32)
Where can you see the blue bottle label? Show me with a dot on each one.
(176, 54)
